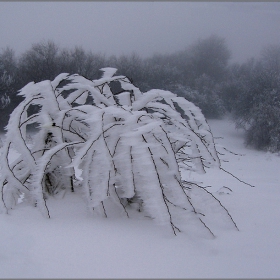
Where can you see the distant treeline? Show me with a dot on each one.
(202, 73)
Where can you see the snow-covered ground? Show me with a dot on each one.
(73, 244)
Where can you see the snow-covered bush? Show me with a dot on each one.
(262, 130)
(256, 102)
(124, 149)
(208, 97)
(5, 83)
(206, 94)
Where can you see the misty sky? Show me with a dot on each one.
(143, 27)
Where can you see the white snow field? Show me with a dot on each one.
(74, 244)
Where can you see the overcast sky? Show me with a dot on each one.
(144, 27)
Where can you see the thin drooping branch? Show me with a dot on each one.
(237, 178)
(161, 186)
(216, 199)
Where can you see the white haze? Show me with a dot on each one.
(142, 27)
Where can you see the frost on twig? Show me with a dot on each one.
(130, 147)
